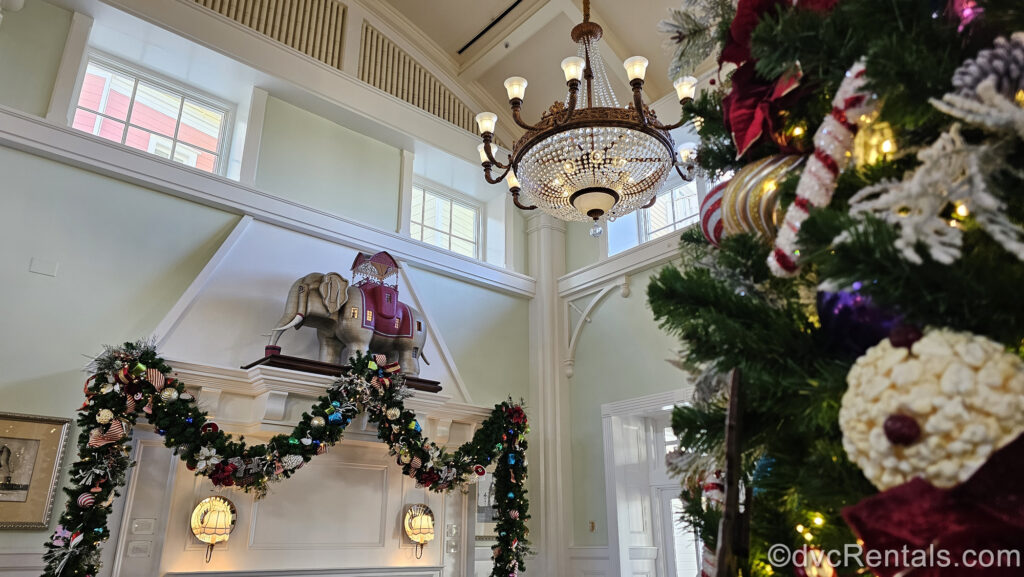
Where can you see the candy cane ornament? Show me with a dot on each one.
(833, 150)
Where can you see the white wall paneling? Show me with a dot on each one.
(32, 134)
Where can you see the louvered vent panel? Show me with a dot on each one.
(384, 65)
(313, 27)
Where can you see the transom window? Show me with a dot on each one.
(674, 209)
(445, 221)
(136, 110)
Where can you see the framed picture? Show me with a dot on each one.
(31, 449)
(486, 513)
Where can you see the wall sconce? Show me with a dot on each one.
(212, 522)
(419, 526)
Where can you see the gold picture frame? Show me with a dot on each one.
(31, 451)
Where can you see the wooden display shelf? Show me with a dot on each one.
(331, 370)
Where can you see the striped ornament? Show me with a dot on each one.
(711, 214)
(380, 359)
(113, 434)
(86, 500)
(156, 378)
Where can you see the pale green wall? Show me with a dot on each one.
(487, 333)
(312, 161)
(31, 44)
(619, 356)
(581, 249)
(125, 254)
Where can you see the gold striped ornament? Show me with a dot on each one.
(750, 202)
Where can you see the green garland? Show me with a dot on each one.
(132, 378)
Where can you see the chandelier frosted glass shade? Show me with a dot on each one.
(588, 158)
(632, 163)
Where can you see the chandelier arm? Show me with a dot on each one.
(655, 123)
(490, 179)
(490, 157)
(688, 177)
(519, 205)
(574, 91)
(651, 202)
(638, 100)
(519, 119)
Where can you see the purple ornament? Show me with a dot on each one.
(851, 323)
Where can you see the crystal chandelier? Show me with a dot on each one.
(588, 158)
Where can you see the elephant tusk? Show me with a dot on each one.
(299, 317)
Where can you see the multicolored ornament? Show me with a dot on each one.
(155, 378)
(936, 409)
(104, 416)
(86, 500)
(393, 413)
(750, 198)
(169, 394)
(317, 422)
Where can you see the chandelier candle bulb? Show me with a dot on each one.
(685, 151)
(636, 67)
(485, 121)
(513, 182)
(516, 87)
(573, 68)
(686, 88)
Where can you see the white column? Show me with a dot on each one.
(253, 137)
(549, 396)
(405, 192)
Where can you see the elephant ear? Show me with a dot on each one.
(333, 290)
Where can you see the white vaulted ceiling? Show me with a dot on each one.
(533, 38)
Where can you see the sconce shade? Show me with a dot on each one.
(516, 87)
(419, 524)
(686, 87)
(636, 67)
(212, 522)
(573, 68)
(485, 121)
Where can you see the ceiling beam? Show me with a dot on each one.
(501, 47)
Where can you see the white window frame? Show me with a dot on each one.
(644, 222)
(455, 197)
(182, 90)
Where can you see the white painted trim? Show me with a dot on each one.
(23, 563)
(387, 571)
(570, 360)
(354, 16)
(446, 354)
(647, 404)
(405, 185)
(253, 137)
(63, 144)
(65, 87)
(188, 298)
(627, 262)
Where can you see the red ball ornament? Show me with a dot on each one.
(209, 427)
(479, 470)
(904, 335)
(902, 430)
(86, 500)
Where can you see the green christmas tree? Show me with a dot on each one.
(901, 264)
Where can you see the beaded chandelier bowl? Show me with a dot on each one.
(588, 158)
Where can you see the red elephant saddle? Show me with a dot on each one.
(384, 313)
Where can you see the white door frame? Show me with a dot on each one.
(612, 415)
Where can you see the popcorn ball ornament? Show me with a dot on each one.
(936, 408)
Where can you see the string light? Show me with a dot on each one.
(887, 146)
(798, 131)
(808, 536)
(819, 520)
(962, 210)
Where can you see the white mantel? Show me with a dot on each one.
(340, 515)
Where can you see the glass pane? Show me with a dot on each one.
(195, 157)
(463, 247)
(95, 124)
(417, 206)
(200, 125)
(416, 231)
(437, 212)
(660, 215)
(106, 91)
(463, 222)
(660, 232)
(622, 233)
(155, 110)
(435, 238)
(151, 143)
(684, 543)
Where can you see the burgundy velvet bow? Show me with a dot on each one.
(984, 514)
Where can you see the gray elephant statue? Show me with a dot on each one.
(359, 317)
